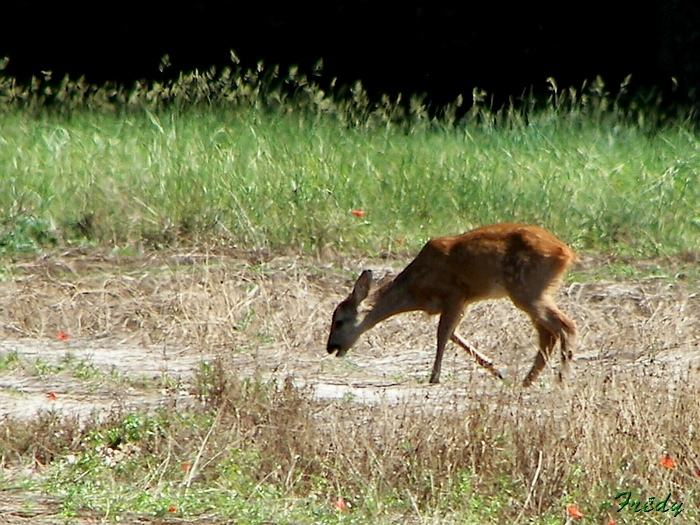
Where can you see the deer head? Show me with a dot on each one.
(345, 326)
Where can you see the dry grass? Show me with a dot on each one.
(230, 300)
(470, 448)
(217, 302)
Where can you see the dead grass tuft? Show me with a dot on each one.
(520, 450)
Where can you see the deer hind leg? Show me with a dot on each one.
(567, 340)
(547, 342)
(552, 326)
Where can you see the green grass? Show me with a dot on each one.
(256, 177)
(9, 361)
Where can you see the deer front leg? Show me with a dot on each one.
(480, 358)
(437, 365)
(448, 322)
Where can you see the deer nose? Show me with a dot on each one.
(335, 347)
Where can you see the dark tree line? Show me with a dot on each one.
(442, 48)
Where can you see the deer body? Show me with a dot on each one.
(522, 262)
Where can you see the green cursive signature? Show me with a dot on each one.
(648, 506)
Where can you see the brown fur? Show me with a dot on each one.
(522, 262)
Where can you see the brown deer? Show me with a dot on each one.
(522, 262)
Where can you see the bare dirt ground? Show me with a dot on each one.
(83, 333)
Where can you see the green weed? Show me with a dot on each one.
(9, 360)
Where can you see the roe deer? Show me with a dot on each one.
(522, 262)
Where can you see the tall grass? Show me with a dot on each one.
(240, 158)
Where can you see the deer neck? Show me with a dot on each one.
(394, 299)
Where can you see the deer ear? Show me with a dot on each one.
(361, 289)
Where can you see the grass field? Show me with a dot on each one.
(213, 223)
(288, 176)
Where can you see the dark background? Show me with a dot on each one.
(442, 48)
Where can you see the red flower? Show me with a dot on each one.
(51, 396)
(340, 504)
(62, 335)
(573, 511)
(668, 462)
(172, 508)
(358, 213)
